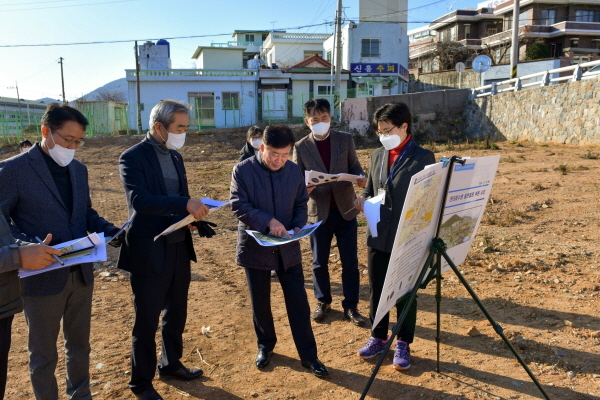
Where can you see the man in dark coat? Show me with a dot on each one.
(269, 196)
(45, 190)
(157, 194)
(14, 255)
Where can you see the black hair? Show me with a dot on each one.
(278, 136)
(313, 105)
(56, 115)
(395, 114)
(25, 143)
(254, 131)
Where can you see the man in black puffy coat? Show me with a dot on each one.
(269, 196)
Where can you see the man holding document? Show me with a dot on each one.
(156, 189)
(14, 255)
(45, 191)
(269, 196)
(330, 151)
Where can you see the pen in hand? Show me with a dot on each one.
(40, 241)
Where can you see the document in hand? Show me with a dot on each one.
(84, 250)
(372, 210)
(264, 239)
(111, 238)
(317, 178)
(213, 205)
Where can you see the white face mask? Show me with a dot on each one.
(255, 143)
(320, 129)
(174, 141)
(390, 141)
(61, 155)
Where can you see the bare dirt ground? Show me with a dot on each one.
(534, 264)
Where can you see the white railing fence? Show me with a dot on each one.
(533, 80)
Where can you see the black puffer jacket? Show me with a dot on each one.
(10, 261)
(246, 152)
(259, 195)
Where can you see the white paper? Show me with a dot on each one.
(318, 178)
(213, 205)
(372, 210)
(270, 240)
(98, 253)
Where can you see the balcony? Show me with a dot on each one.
(470, 42)
(296, 38)
(545, 31)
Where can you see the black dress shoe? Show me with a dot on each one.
(183, 374)
(354, 317)
(320, 311)
(263, 358)
(148, 394)
(316, 367)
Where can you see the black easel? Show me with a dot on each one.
(438, 250)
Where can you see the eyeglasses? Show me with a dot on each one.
(70, 142)
(386, 132)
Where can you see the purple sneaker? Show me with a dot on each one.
(401, 356)
(373, 347)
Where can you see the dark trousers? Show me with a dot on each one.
(152, 295)
(378, 264)
(5, 325)
(320, 243)
(296, 305)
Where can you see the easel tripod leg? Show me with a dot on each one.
(494, 324)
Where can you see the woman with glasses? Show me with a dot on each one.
(392, 167)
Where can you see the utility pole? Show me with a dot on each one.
(338, 56)
(137, 96)
(514, 54)
(62, 79)
(20, 127)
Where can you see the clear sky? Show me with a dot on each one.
(87, 67)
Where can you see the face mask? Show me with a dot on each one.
(61, 155)
(390, 141)
(320, 129)
(174, 141)
(255, 143)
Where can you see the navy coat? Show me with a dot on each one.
(259, 195)
(30, 198)
(151, 210)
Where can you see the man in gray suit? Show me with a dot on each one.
(330, 151)
(46, 191)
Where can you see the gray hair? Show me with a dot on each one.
(164, 112)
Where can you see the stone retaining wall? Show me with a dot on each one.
(564, 113)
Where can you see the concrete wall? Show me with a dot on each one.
(220, 58)
(566, 113)
(444, 80)
(436, 115)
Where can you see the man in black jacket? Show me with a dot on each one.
(14, 255)
(269, 196)
(157, 196)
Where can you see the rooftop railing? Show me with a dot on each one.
(532, 81)
(193, 72)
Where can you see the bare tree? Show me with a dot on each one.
(108, 95)
(448, 53)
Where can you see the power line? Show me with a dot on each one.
(133, 40)
(71, 5)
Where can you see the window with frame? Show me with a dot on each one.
(329, 59)
(370, 48)
(249, 37)
(575, 42)
(596, 44)
(548, 17)
(230, 101)
(524, 18)
(323, 90)
(467, 31)
(587, 15)
(452, 34)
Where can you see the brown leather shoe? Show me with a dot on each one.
(320, 311)
(354, 317)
